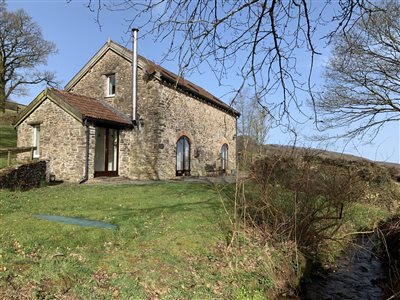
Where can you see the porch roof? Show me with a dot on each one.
(93, 109)
(80, 107)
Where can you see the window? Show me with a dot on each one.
(224, 157)
(36, 141)
(183, 157)
(111, 85)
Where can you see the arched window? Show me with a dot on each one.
(224, 157)
(183, 156)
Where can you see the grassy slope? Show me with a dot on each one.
(8, 138)
(169, 245)
(8, 135)
(165, 245)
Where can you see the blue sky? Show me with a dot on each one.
(72, 27)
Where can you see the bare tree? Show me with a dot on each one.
(260, 40)
(253, 127)
(254, 122)
(22, 50)
(362, 89)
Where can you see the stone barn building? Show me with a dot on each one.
(106, 123)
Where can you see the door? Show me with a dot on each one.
(224, 157)
(106, 152)
(183, 157)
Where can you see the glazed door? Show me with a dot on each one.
(183, 157)
(106, 152)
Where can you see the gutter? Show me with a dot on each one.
(86, 175)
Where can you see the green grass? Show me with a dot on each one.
(8, 139)
(8, 136)
(167, 245)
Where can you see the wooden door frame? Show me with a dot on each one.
(184, 172)
(106, 151)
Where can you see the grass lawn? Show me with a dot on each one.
(8, 139)
(166, 245)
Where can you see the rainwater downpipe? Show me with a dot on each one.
(134, 77)
(87, 132)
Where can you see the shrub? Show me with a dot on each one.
(303, 198)
(390, 253)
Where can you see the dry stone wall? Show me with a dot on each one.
(23, 177)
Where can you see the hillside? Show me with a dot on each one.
(280, 150)
(331, 155)
(12, 110)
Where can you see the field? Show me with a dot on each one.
(168, 244)
(8, 135)
(172, 242)
(8, 138)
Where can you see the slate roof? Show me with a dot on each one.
(186, 85)
(93, 109)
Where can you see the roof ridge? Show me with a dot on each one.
(162, 74)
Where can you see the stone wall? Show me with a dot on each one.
(62, 140)
(94, 83)
(23, 177)
(207, 128)
(167, 114)
(139, 151)
(150, 151)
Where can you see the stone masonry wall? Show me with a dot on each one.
(167, 114)
(207, 128)
(94, 83)
(137, 155)
(150, 152)
(139, 152)
(62, 141)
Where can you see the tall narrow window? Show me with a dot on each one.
(36, 141)
(224, 157)
(183, 157)
(111, 85)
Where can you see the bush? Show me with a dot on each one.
(303, 199)
(390, 254)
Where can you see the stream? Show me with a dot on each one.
(358, 275)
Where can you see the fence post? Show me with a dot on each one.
(9, 158)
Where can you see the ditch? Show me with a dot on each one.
(358, 274)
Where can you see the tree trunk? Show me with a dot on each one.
(2, 86)
(2, 96)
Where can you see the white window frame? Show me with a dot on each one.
(36, 141)
(109, 85)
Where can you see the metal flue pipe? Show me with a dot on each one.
(134, 75)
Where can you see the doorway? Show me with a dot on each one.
(183, 157)
(106, 152)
